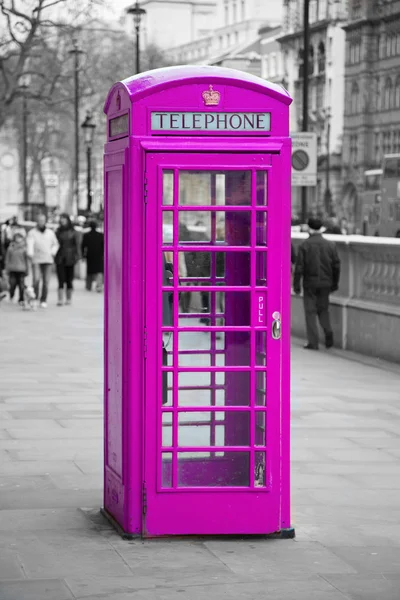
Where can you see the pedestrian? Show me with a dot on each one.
(318, 268)
(42, 246)
(67, 256)
(12, 227)
(17, 266)
(93, 251)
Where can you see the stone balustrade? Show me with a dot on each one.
(366, 310)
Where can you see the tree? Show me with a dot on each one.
(30, 33)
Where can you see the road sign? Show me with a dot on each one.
(51, 180)
(304, 159)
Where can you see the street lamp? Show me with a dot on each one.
(24, 86)
(137, 13)
(76, 51)
(88, 128)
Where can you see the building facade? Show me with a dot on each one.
(171, 22)
(326, 92)
(372, 94)
(234, 39)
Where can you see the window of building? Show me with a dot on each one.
(321, 58)
(397, 92)
(300, 59)
(228, 39)
(234, 13)
(265, 67)
(236, 37)
(377, 94)
(394, 41)
(355, 99)
(243, 10)
(220, 41)
(388, 46)
(388, 93)
(398, 43)
(226, 10)
(272, 65)
(377, 147)
(354, 150)
(356, 9)
(382, 46)
(311, 61)
(320, 94)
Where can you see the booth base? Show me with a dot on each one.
(284, 534)
(117, 526)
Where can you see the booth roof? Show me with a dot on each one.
(153, 81)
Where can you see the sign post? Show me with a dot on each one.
(304, 159)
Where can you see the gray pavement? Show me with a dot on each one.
(55, 546)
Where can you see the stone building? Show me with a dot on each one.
(234, 40)
(326, 91)
(372, 94)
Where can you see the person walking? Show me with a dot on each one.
(318, 268)
(42, 246)
(67, 256)
(12, 227)
(93, 251)
(17, 266)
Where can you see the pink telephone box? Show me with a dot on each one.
(197, 293)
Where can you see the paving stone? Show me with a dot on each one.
(10, 567)
(44, 589)
(278, 557)
(365, 586)
(282, 590)
(371, 559)
(35, 519)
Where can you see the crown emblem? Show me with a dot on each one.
(118, 101)
(211, 97)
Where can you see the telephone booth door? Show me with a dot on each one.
(212, 455)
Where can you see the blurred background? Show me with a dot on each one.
(58, 59)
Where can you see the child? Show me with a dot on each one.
(17, 266)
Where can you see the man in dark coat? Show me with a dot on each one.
(318, 265)
(93, 251)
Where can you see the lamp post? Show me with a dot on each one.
(25, 145)
(76, 52)
(88, 127)
(306, 58)
(137, 13)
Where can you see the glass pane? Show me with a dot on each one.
(262, 188)
(259, 434)
(194, 226)
(217, 469)
(230, 188)
(216, 309)
(166, 469)
(167, 351)
(167, 429)
(197, 429)
(167, 309)
(167, 388)
(212, 268)
(168, 187)
(168, 227)
(261, 348)
(194, 340)
(229, 228)
(261, 228)
(261, 390)
(259, 469)
(261, 268)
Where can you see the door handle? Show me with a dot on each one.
(276, 326)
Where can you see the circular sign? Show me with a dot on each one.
(7, 160)
(300, 160)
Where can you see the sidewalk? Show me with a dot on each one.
(55, 546)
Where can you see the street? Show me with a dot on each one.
(56, 546)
